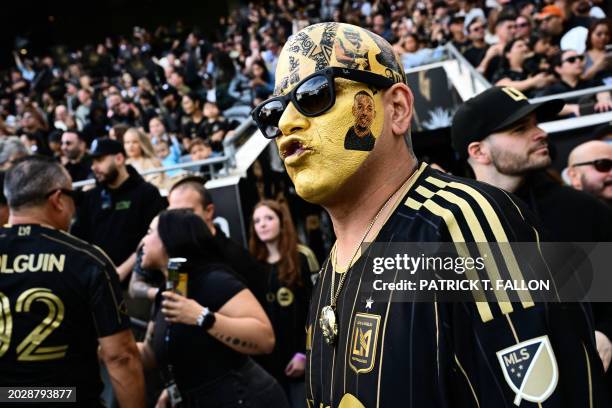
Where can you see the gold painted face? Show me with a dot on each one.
(322, 153)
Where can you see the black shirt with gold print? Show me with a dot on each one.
(58, 295)
(433, 354)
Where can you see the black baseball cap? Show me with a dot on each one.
(494, 110)
(106, 146)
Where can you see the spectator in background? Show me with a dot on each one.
(11, 149)
(569, 67)
(543, 50)
(458, 37)
(505, 30)
(379, 26)
(34, 131)
(550, 21)
(193, 122)
(598, 63)
(273, 241)
(589, 168)
(54, 141)
(168, 155)
(116, 213)
(217, 126)
(177, 80)
(117, 132)
(578, 14)
(414, 55)
(262, 82)
(83, 110)
(62, 119)
(74, 155)
(97, 126)
(476, 34)
(523, 28)
(270, 55)
(200, 149)
(141, 155)
(512, 72)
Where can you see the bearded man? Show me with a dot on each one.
(116, 214)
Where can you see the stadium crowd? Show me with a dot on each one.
(169, 95)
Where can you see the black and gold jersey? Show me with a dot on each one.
(58, 295)
(462, 354)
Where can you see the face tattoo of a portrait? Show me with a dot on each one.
(359, 136)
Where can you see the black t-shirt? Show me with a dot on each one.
(462, 46)
(475, 55)
(510, 74)
(191, 130)
(117, 219)
(61, 294)
(561, 86)
(287, 309)
(80, 170)
(196, 356)
(241, 262)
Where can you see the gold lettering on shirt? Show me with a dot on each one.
(32, 263)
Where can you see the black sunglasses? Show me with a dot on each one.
(574, 58)
(70, 193)
(601, 165)
(312, 96)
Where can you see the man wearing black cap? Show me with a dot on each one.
(497, 133)
(458, 37)
(116, 213)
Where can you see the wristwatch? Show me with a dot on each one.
(206, 319)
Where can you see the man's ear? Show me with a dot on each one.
(210, 210)
(478, 152)
(55, 201)
(574, 178)
(120, 159)
(400, 98)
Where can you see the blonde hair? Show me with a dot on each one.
(146, 148)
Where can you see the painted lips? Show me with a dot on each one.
(292, 150)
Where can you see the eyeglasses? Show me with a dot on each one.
(601, 165)
(477, 28)
(312, 96)
(70, 193)
(574, 58)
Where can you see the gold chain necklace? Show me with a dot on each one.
(327, 320)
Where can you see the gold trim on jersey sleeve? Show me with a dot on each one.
(457, 236)
(498, 231)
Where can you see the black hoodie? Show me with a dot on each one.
(117, 219)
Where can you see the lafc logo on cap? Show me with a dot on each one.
(530, 369)
(514, 93)
(363, 342)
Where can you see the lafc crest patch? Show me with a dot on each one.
(530, 369)
(364, 340)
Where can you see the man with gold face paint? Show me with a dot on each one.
(340, 116)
